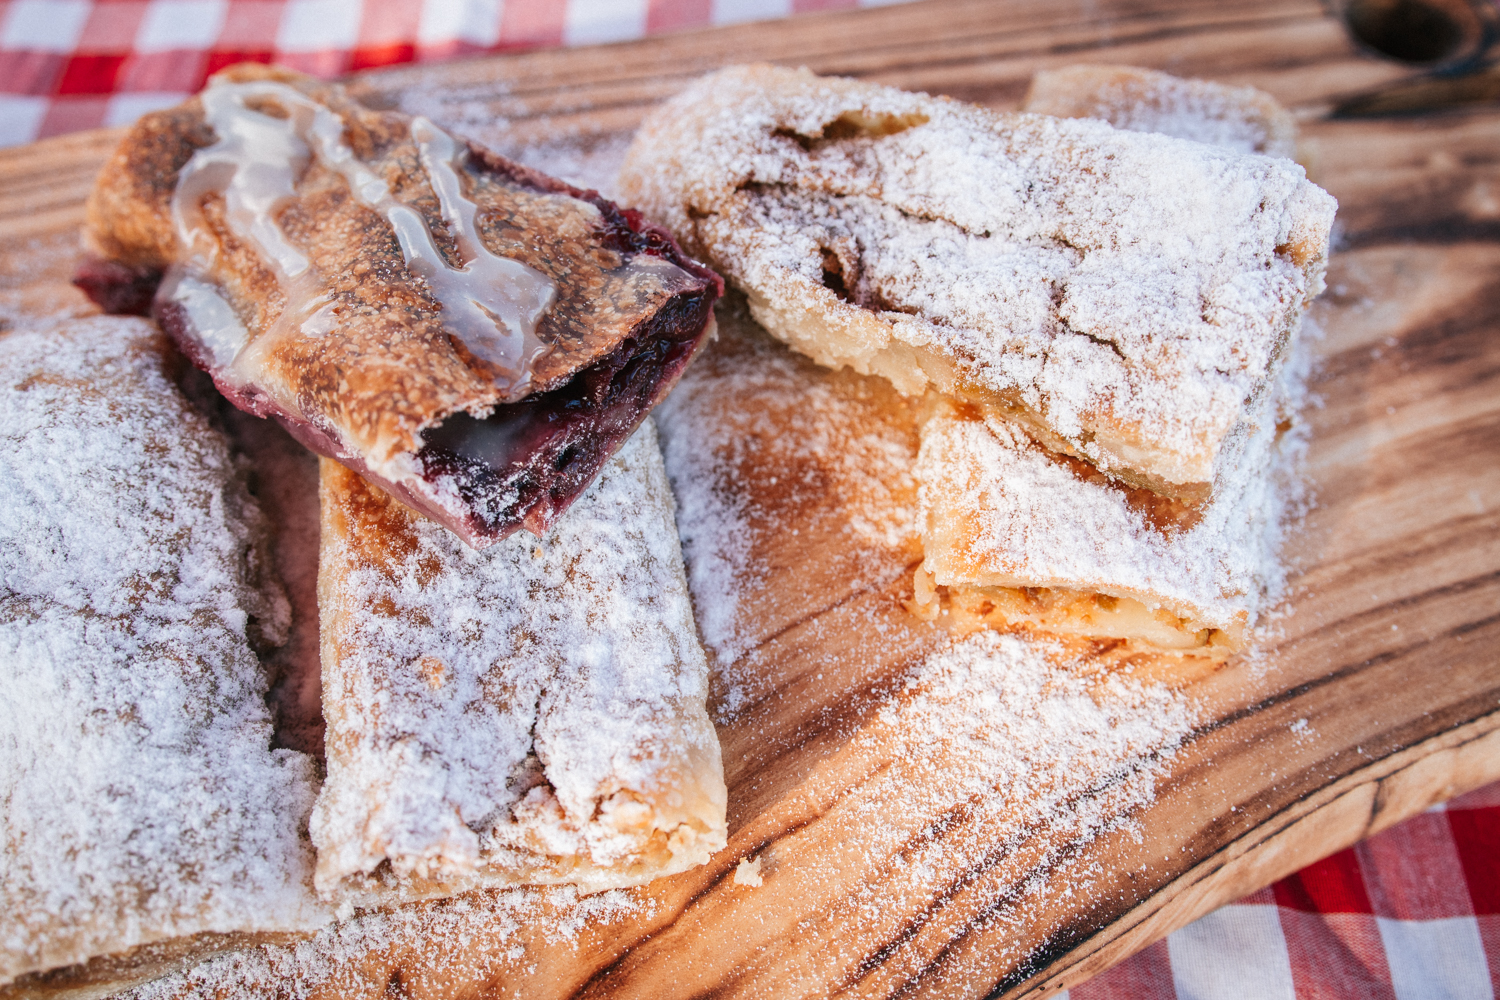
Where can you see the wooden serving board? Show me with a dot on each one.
(884, 872)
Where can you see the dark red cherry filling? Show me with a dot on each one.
(526, 462)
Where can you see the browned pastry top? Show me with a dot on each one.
(391, 367)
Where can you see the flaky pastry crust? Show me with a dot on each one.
(1123, 296)
(368, 366)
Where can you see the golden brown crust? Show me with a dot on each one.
(393, 369)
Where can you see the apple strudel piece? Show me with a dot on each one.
(1017, 537)
(1242, 119)
(1121, 295)
(532, 713)
(143, 801)
(472, 335)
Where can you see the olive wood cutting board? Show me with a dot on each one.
(1375, 695)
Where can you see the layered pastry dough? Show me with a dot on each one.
(1122, 296)
(1016, 537)
(142, 800)
(473, 335)
(1242, 119)
(532, 713)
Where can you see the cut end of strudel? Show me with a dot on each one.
(142, 799)
(1017, 537)
(1241, 119)
(1123, 296)
(531, 713)
(474, 336)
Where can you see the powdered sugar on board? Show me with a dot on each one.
(1000, 757)
(142, 798)
(766, 448)
(495, 937)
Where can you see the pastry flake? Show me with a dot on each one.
(472, 335)
(532, 713)
(1122, 296)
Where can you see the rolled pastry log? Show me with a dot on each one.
(532, 713)
(142, 800)
(1123, 296)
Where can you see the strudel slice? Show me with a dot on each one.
(1017, 537)
(142, 799)
(1243, 119)
(532, 713)
(472, 335)
(1121, 295)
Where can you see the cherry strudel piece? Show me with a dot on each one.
(532, 713)
(1121, 295)
(142, 799)
(474, 336)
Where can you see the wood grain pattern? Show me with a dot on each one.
(1388, 650)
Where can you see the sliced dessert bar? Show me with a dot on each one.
(143, 801)
(1017, 537)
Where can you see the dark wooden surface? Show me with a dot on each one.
(1389, 648)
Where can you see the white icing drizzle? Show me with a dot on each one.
(491, 303)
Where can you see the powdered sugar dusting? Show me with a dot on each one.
(1127, 291)
(530, 713)
(1040, 524)
(489, 937)
(1031, 735)
(142, 800)
(1242, 119)
(998, 759)
(753, 431)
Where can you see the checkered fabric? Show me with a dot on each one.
(74, 64)
(1411, 914)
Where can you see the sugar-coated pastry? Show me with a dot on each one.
(1017, 537)
(474, 336)
(1123, 296)
(142, 799)
(531, 713)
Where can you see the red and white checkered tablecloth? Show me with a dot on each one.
(1411, 914)
(74, 64)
